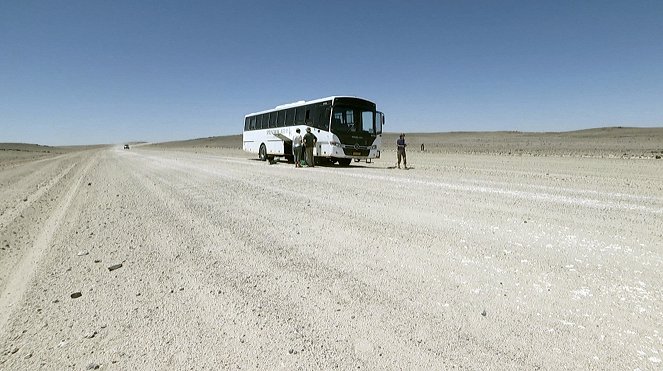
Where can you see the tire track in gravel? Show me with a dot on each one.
(227, 270)
(16, 183)
(375, 306)
(23, 272)
(9, 216)
(280, 265)
(270, 187)
(270, 180)
(24, 193)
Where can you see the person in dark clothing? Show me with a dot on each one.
(400, 143)
(309, 142)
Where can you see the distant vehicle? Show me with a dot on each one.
(126, 146)
(346, 127)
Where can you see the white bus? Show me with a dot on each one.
(346, 127)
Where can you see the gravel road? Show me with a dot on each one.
(165, 259)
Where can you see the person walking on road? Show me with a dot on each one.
(400, 143)
(309, 141)
(297, 148)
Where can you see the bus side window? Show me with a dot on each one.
(259, 121)
(246, 124)
(321, 116)
(290, 117)
(323, 120)
(308, 115)
(272, 119)
(280, 118)
(265, 121)
(299, 117)
(253, 123)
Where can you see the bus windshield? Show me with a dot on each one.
(352, 120)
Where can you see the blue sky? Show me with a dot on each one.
(82, 72)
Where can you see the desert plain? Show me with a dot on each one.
(495, 251)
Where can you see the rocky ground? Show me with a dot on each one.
(201, 257)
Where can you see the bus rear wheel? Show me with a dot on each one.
(262, 153)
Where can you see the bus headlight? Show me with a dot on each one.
(335, 144)
(374, 147)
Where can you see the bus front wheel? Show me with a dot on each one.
(262, 153)
(344, 161)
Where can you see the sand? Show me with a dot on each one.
(493, 251)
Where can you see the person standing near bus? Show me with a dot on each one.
(309, 142)
(400, 143)
(297, 148)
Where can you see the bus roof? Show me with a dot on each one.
(302, 103)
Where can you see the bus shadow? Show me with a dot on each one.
(400, 168)
(328, 165)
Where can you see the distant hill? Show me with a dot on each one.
(25, 147)
(229, 141)
(609, 141)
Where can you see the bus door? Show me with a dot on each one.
(379, 122)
